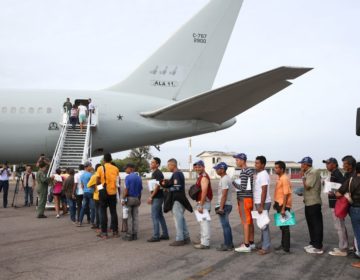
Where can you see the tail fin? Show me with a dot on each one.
(188, 62)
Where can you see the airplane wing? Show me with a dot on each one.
(222, 104)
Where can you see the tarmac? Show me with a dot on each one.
(51, 248)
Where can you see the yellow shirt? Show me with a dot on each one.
(112, 172)
(92, 184)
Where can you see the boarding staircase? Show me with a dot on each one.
(73, 147)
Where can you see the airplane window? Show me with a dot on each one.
(31, 110)
(13, 110)
(22, 110)
(3, 110)
(48, 110)
(40, 110)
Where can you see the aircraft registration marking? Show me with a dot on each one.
(200, 38)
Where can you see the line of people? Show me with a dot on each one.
(99, 188)
(79, 113)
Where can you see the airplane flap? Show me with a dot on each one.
(222, 104)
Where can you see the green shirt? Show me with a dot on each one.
(42, 179)
(312, 191)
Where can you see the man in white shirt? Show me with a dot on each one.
(91, 108)
(5, 173)
(82, 115)
(262, 200)
(28, 183)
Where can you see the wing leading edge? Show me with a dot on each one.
(222, 104)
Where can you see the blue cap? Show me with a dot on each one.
(200, 163)
(307, 160)
(221, 165)
(241, 156)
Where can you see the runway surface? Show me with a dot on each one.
(53, 248)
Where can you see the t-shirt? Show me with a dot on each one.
(262, 179)
(312, 180)
(4, 174)
(158, 176)
(85, 178)
(246, 176)
(336, 177)
(133, 184)
(283, 187)
(178, 180)
(74, 112)
(79, 189)
(225, 183)
(82, 110)
(91, 106)
(112, 172)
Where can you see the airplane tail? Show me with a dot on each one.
(187, 63)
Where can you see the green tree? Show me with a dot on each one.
(140, 157)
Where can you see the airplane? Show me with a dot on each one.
(168, 97)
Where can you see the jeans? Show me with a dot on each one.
(133, 204)
(285, 230)
(314, 221)
(88, 202)
(28, 195)
(97, 213)
(79, 199)
(224, 221)
(354, 213)
(205, 227)
(182, 232)
(4, 185)
(341, 231)
(72, 208)
(265, 233)
(110, 202)
(158, 217)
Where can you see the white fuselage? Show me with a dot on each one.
(25, 116)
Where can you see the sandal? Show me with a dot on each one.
(263, 252)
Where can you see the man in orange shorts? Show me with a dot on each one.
(244, 181)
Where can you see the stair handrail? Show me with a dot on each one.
(86, 153)
(55, 162)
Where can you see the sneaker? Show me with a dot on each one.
(243, 249)
(187, 240)
(128, 238)
(223, 248)
(253, 246)
(178, 243)
(338, 253)
(200, 246)
(164, 237)
(57, 216)
(308, 247)
(153, 239)
(41, 216)
(314, 251)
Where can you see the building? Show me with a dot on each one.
(211, 158)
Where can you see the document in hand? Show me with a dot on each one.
(262, 220)
(331, 186)
(152, 184)
(288, 220)
(202, 216)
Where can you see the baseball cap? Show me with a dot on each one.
(330, 160)
(240, 156)
(307, 160)
(199, 162)
(87, 164)
(221, 165)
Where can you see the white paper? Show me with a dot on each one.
(248, 186)
(331, 186)
(152, 184)
(99, 187)
(202, 216)
(262, 220)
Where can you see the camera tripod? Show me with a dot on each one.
(16, 191)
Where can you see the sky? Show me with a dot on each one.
(93, 44)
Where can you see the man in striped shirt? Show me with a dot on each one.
(244, 181)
